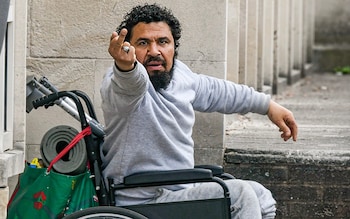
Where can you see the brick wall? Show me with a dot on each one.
(305, 186)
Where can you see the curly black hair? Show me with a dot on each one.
(151, 13)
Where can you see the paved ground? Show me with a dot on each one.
(321, 105)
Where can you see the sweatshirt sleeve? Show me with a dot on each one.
(217, 95)
(123, 90)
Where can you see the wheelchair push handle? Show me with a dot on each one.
(50, 99)
(45, 101)
(39, 94)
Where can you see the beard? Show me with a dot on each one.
(160, 79)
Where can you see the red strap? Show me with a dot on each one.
(76, 139)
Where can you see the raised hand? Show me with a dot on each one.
(121, 51)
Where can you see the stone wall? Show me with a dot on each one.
(68, 42)
(303, 187)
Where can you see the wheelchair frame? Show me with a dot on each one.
(70, 101)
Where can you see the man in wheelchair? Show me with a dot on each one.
(149, 99)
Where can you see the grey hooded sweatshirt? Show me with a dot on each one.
(150, 130)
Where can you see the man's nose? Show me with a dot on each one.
(153, 49)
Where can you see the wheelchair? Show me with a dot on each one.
(43, 94)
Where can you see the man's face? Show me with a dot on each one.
(154, 47)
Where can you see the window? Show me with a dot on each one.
(7, 85)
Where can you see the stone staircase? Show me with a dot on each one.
(309, 178)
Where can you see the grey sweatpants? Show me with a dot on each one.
(249, 199)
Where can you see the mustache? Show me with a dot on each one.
(156, 59)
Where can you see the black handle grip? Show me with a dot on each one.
(45, 100)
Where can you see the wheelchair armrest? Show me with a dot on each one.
(168, 177)
(217, 170)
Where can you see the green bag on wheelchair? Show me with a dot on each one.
(41, 194)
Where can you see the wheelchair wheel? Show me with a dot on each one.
(105, 212)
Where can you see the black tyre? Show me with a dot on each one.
(105, 212)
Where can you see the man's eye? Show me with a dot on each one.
(142, 43)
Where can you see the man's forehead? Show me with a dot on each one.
(151, 30)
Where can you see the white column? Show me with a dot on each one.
(252, 42)
(232, 40)
(285, 38)
(243, 15)
(297, 11)
(266, 44)
(309, 24)
(281, 45)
